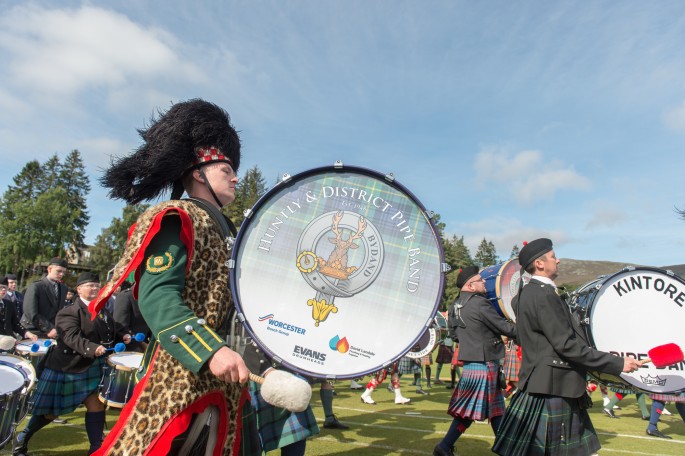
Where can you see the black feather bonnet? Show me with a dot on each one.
(179, 140)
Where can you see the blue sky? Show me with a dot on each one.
(512, 120)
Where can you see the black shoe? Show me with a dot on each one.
(657, 433)
(334, 424)
(450, 386)
(645, 418)
(20, 446)
(609, 413)
(440, 451)
(59, 420)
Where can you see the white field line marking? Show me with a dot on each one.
(406, 450)
(448, 418)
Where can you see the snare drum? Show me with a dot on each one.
(27, 391)
(12, 381)
(332, 263)
(628, 314)
(502, 283)
(34, 351)
(120, 378)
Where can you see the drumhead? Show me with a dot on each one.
(24, 347)
(22, 364)
(12, 379)
(502, 282)
(125, 360)
(631, 312)
(425, 345)
(337, 272)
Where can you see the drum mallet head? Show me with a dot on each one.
(139, 337)
(35, 347)
(47, 342)
(7, 343)
(664, 355)
(283, 389)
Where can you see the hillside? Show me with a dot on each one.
(574, 273)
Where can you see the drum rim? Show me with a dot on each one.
(17, 391)
(587, 329)
(284, 184)
(500, 308)
(32, 382)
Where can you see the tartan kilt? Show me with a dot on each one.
(623, 391)
(445, 354)
(477, 395)
(279, 427)
(536, 424)
(427, 360)
(409, 365)
(512, 364)
(674, 397)
(59, 393)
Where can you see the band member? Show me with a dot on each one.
(44, 298)
(548, 415)
(73, 369)
(13, 295)
(394, 386)
(9, 322)
(479, 328)
(658, 409)
(179, 254)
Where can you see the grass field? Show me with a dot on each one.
(389, 429)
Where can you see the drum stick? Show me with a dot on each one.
(664, 355)
(36, 346)
(118, 348)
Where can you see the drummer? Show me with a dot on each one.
(9, 321)
(74, 368)
(551, 402)
(478, 326)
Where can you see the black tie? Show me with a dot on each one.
(55, 289)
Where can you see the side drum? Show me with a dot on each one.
(27, 391)
(629, 313)
(502, 282)
(12, 381)
(120, 378)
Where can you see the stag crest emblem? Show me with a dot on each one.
(332, 274)
(336, 265)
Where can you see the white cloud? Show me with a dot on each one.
(527, 176)
(606, 217)
(674, 118)
(61, 52)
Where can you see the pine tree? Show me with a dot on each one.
(110, 243)
(248, 191)
(514, 251)
(486, 254)
(74, 180)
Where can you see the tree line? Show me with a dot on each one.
(44, 213)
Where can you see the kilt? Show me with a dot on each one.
(426, 360)
(409, 365)
(279, 427)
(445, 354)
(59, 393)
(512, 364)
(477, 395)
(537, 424)
(677, 397)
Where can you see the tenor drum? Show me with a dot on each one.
(12, 381)
(27, 391)
(628, 314)
(120, 378)
(333, 263)
(34, 351)
(502, 282)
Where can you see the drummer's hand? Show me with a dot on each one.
(53, 333)
(630, 364)
(30, 335)
(127, 338)
(100, 350)
(228, 366)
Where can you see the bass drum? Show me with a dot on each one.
(430, 339)
(333, 263)
(629, 313)
(502, 282)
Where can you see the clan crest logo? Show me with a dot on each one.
(341, 265)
